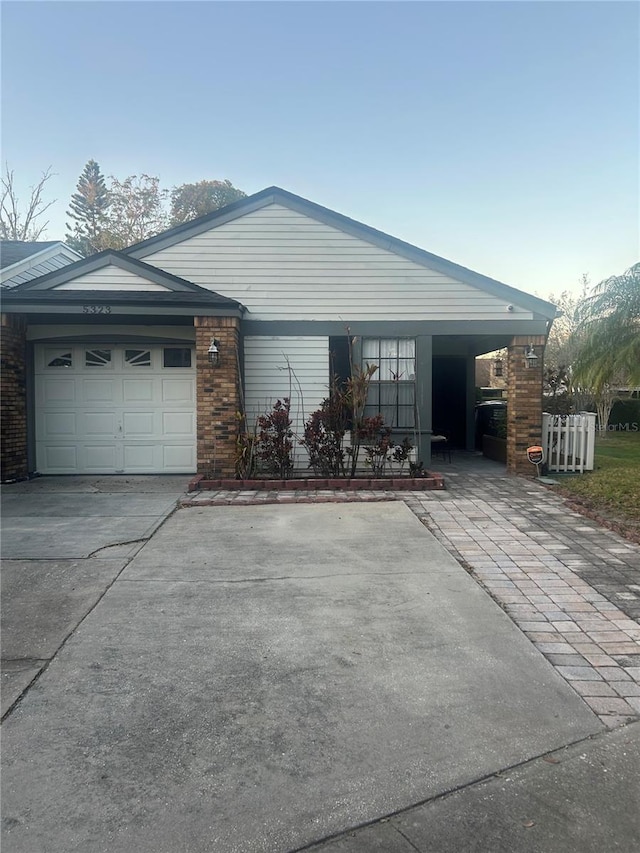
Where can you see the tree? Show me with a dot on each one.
(608, 332)
(189, 201)
(17, 224)
(116, 214)
(562, 345)
(88, 210)
(136, 211)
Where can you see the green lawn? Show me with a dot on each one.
(613, 487)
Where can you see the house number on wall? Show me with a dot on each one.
(96, 309)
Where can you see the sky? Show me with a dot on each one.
(504, 136)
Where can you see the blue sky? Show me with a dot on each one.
(501, 135)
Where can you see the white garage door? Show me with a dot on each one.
(104, 409)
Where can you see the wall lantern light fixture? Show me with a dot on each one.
(214, 353)
(530, 357)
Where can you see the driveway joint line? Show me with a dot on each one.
(49, 661)
(495, 774)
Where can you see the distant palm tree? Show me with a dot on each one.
(609, 333)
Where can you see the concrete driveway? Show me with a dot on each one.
(255, 679)
(64, 541)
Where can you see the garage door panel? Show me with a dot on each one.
(140, 458)
(60, 458)
(98, 391)
(99, 457)
(178, 424)
(115, 416)
(59, 424)
(58, 390)
(139, 424)
(98, 423)
(178, 457)
(138, 391)
(177, 391)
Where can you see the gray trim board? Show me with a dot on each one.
(424, 396)
(114, 339)
(399, 328)
(276, 195)
(30, 382)
(75, 311)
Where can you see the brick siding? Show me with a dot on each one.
(524, 403)
(13, 417)
(217, 395)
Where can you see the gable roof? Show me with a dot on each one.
(178, 291)
(14, 251)
(111, 258)
(21, 260)
(276, 195)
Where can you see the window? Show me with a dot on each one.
(392, 391)
(59, 358)
(97, 358)
(137, 357)
(177, 357)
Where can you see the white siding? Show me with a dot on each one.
(282, 264)
(110, 278)
(267, 377)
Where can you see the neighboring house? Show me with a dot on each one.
(491, 373)
(107, 364)
(21, 261)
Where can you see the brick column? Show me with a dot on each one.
(13, 409)
(217, 395)
(524, 403)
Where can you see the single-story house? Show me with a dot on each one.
(139, 361)
(21, 260)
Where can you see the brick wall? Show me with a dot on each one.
(524, 402)
(13, 398)
(217, 395)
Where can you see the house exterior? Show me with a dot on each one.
(21, 260)
(108, 368)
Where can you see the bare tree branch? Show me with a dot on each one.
(23, 225)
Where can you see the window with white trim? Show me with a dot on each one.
(392, 391)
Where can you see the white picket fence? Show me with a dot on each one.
(569, 441)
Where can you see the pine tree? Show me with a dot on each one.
(88, 210)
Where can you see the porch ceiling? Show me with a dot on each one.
(468, 345)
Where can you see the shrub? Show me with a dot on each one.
(324, 435)
(624, 414)
(274, 440)
(245, 459)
